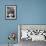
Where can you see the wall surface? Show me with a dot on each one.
(28, 12)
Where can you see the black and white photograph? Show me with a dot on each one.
(31, 34)
(10, 12)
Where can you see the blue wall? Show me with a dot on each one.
(28, 12)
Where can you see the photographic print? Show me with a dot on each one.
(32, 32)
(28, 34)
(10, 12)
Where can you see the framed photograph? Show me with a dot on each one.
(10, 12)
(33, 32)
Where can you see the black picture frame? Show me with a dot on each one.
(10, 12)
